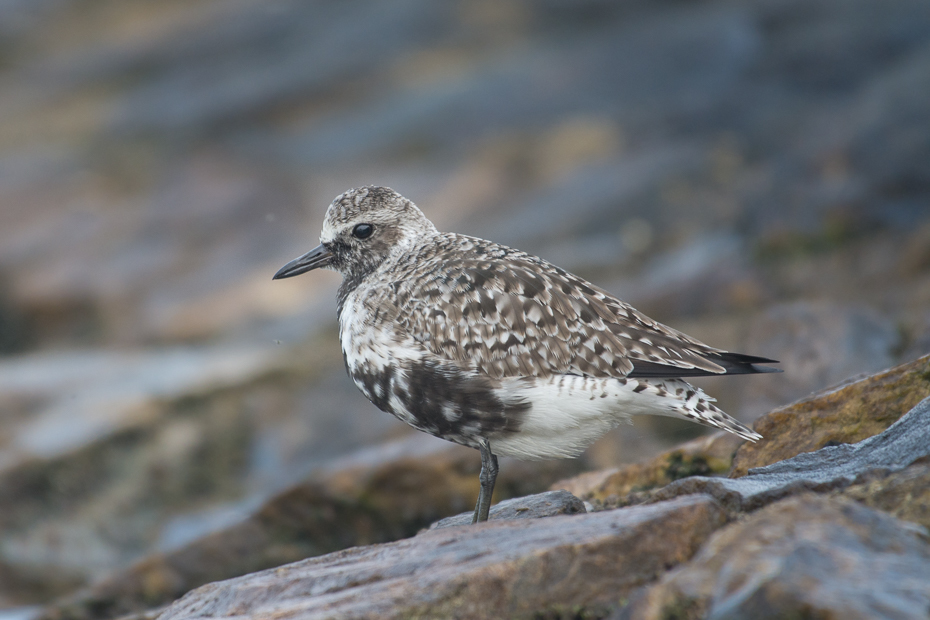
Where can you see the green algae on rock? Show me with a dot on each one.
(633, 484)
(847, 413)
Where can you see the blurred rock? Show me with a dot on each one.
(143, 203)
(904, 494)
(807, 556)
(848, 413)
(549, 504)
(917, 342)
(834, 467)
(818, 344)
(377, 496)
(88, 395)
(497, 569)
(105, 457)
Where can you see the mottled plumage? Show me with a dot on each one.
(494, 348)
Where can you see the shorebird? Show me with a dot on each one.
(496, 349)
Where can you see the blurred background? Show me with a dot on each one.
(756, 174)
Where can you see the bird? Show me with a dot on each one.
(494, 348)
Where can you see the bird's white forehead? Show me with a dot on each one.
(340, 213)
(328, 233)
(338, 219)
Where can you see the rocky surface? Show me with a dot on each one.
(549, 504)
(505, 569)
(803, 557)
(844, 414)
(370, 498)
(776, 557)
(856, 409)
(904, 494)
(752, 174)
(903, 443)
(633, 484)
(110, 456)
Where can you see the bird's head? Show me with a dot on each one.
(363, 228)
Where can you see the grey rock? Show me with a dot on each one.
(259, 56)
(903, 494)
(803, 557)
(902, 443)
(372, 496)
(547, 504)
(113, 384)
(819, 343)
(493, 570)
(98, 442)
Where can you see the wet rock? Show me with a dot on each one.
(154, 471)
(377, 496)
(98, 450)
(549, 504)
(904, 494)
(633, 484)
(88, 395)
(506, 569)
(833, 467)
(844, 414)
(803, 557)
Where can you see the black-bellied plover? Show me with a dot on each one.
(493, 348)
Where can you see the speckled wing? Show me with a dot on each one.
(510, 314)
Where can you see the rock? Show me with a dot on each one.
(87, 396)
(851, 410)
(498, 569)
(916, 342)
(98, 450)
(107, 457)
(848, 413)
(844, 414)
(803, 557)
(819, 344)
(833, 467)
(904, 494)
(375, 497)
(632, 484)
(547, 504)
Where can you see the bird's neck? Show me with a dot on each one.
(350, 282)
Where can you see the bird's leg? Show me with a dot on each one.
(487, 478)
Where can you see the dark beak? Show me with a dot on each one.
(320, 256)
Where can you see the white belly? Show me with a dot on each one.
(570, 412)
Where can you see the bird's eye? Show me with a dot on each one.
(363, 231)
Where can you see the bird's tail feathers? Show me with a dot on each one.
(691, 403)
